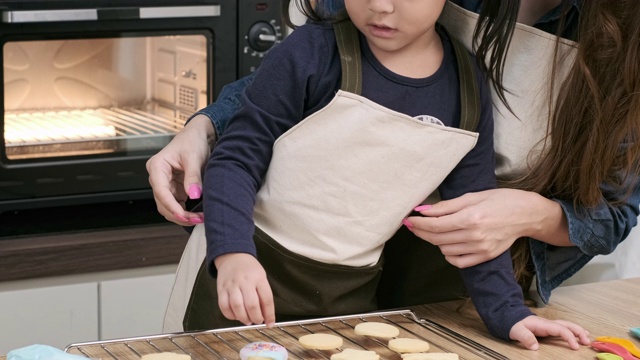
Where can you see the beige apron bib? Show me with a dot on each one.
(341, 181)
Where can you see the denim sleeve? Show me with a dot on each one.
(595, 231)
(228, 102)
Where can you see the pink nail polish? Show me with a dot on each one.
(194, 192)
(181, 218)
(407, 223)
(422, 207)
(196, 220)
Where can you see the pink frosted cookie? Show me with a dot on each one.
(263, 351)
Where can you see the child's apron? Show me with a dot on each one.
(338, 186)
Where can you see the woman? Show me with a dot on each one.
(492, 220)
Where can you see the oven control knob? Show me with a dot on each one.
(262, 36)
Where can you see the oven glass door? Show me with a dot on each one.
(100, 97)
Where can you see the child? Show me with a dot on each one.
(330, 189)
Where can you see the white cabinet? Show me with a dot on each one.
(134, 307)
(52, 316)
(63, 310)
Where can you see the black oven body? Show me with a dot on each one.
(235, 47)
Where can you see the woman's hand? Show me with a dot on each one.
(175, 171)
(244, 293)
(526, 330)
(477, 227)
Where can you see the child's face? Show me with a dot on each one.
(392, 25)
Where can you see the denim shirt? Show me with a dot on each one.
(228, 102)
(596, 231)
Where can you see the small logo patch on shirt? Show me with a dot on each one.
(429, 119)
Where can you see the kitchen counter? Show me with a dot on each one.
(606, 308)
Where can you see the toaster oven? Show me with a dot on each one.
(92, 89)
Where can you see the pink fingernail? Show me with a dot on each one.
(422, 207)
(196, 220)
(195, 192)
(181, 218)
(407, 223)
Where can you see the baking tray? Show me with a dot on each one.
(226, 343)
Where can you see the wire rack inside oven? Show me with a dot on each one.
(226, 343)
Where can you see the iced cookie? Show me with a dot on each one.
(263, 351)
(430, 356)
(408, 345)
(320, 341)
(376, 329)
(166, 356)
(353, 354)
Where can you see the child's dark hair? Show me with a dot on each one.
(315, 10)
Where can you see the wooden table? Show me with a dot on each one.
(606, 308)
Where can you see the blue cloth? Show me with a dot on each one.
(292, 84)
(41, 352)
(227, 104)
(599, 232)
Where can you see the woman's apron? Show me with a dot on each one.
(338, 186)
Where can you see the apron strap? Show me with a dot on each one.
(351, 61)
(469, 93)
(350, 58)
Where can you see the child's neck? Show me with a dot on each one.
(418, 60)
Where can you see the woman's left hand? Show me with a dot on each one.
(477, 227)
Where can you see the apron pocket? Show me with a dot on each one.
(304, 288)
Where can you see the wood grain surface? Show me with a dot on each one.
(608, 308)
(91, 251)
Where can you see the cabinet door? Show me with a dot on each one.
(55, 316)
(134, 307)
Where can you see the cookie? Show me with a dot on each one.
(166, 356)
(262, 350)
(408, 345)
(430, 356)
(377, 329)
(320, 341)
(353, 354)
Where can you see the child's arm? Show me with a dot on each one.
(244, 293)
(499, 301)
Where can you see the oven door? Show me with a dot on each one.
(90, 93)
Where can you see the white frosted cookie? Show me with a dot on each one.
(262, 350)
(320, 341)
(166, 356)
(430, 356)
(408, 345)
(354, 354)
(376, 329)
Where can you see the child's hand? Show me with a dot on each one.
(526, 330)
(244, 293)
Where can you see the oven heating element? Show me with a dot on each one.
(226, 343)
